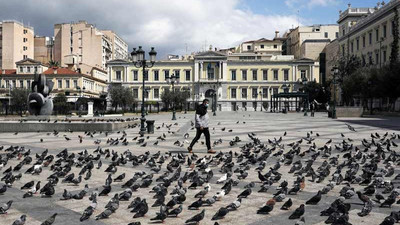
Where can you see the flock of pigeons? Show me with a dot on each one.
(175, 178)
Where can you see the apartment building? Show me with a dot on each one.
(85, 47)
(309, 41)
(44, 49)
(16, 43)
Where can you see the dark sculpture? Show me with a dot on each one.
(39, 101)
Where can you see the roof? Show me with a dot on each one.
(9, 71)
(28, 61)
(317, 40)
(259, 40)
(58, 70)
(210, 54)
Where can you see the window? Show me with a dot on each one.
(275, 46)
(233, 74)
(303, 74)
(376, 58)
(25, 39)
(337, 34)
(352, 47)
(59, 83)
(28, 69)
(146, 75)
(370, 38)
(393, 26)
(21, 84)
(344, 32)
(370, 59)
(262, 46)
(156, 76)
(75, 83)
(210, 73)
(326, 34)
(135, 75)
(265, 92)
(146, 93)
(384, 56)
(254, 74)
(36, 69)
(275, 74)
(275, 91)
(285, 75)
(135, 93)
(14, 83)
(25, 31)
(358, 44)
(244, 93)
(187, 75)
(21, 69)
(25, 48)
(25, 56)
(7, 83)
(244, 74)
(248, 47)
(177, 74)
(156, 93)
(384, 31)
(363, 41)
(67, 84)
(254, 93)
(118, 75)
(343, 51)
(265, 74)
(28, 84)
(377, 35)
(233, 93)
(166, 74)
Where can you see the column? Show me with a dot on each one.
(219, 69)
(293, 73)
(224, 71)
(196, 71)
(125, 73)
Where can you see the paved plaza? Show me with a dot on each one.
(224, 127)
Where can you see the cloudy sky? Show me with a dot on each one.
(174, 26)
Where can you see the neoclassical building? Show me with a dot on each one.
(240, 79)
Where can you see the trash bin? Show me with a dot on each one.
(150, 126)
(284, 110)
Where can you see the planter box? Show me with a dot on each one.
(342, 111)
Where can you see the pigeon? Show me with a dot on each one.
(297, 213)
(267, 208)
(287, 204)
(50, 220)
(315, 199)
(161, 216)
(20, 221)
(5, 207)
(175, 212)
(104, 215)
(196, 218)
(234, 205)
(87, 213)
(220, 214)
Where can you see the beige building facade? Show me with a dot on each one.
(83, 46)
(238, 83)
(16, 43)
(44, 51)
(368, 32)
(309, 41)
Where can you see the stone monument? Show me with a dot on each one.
(39, 101)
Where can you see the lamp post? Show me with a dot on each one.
(139, 61)
(334, 72)
(172, 80)
(261, 94)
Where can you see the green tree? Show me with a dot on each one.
(19, 99)
(53, 63)
(61, 105)
(347, 65)
(317, 91)
(121, 96)
(168, 98)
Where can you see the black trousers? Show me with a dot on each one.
(198, 134)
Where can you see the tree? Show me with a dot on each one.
(19, 99)
(61, 105)
(317, 92)
(168, 98)
(347, 65)
(53, 63)
(121, 96)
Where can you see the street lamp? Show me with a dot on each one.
(139, 61)
(261, 94)
(172, 80)
(334, 72)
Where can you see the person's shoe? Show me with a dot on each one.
(189, 149)
(211, 151)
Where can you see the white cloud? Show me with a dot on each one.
(296, 4)
(168, 25)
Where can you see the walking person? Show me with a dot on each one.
(201, 124)
(312, 108)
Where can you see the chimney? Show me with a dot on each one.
(277, 34)
(349, 5)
